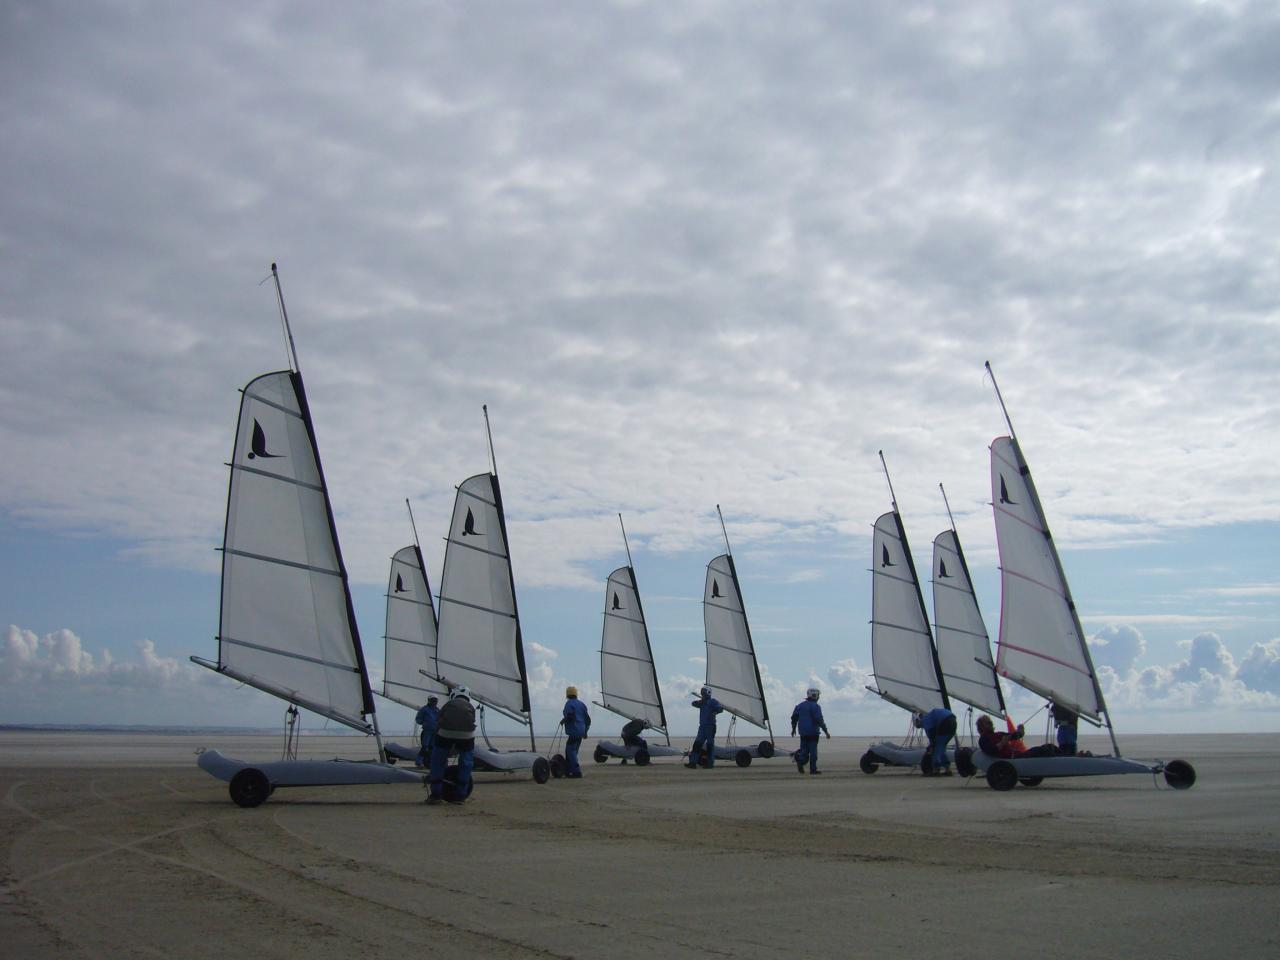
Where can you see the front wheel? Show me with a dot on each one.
(765, 749)
(964, 762)
(642, 757)
(541, 770)
(1179, 774)
(250, 787)
(559, 766)
(600, 756)
(742, 758)
(869, 762)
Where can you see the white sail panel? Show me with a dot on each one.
(964, 648)
(286, 622)
(479, 642)
(628, 678)
(902, 655)
(1041, 644)
(732, 672)
(411, 632)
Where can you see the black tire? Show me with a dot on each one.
(541, 770)
(742, 758)
(642, 757)
(1179, 774)
(964, 762)
(391, 759)
(1031, 781)
(450, 789)
(765, 749)
(926, 764)
(250, 787)
(600, 756)
(559, 766)
(869, 762)
(1002, 776)
(704, 759)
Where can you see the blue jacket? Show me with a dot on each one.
(929, 722)
(808, 716)
(428, 719)
(707, 710)
(576, 719)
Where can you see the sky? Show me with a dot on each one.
(688, 254)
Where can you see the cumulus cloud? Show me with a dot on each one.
(1117, 647)
(1260, 668)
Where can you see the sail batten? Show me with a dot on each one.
(479, 638)
(964, 646)
(628, 677)
(903, 658)
(733, 673)
(1042, 645)
(286, 622)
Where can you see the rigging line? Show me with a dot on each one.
(1003, 408)
(493, 457)
(284, 318)
(626, 544)
(727, 549)
(892, 499)
(416, 542)
(947, 503)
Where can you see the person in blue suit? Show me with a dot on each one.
(456, 731)
(576, 724)
(939, 725)
(428, 719)
(1066, 720)
(808, 717)
(708, 706)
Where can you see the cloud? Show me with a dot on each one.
(538, 650)
(1260, 668)
(1117, 647)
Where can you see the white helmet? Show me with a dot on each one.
(460, 692)
(813, 693)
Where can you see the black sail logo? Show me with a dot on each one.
(942, 569)
(469, 526)
(399, 584)
(715, 588)
(1004, 492)
(617, 604)
(258, 445)
(884, 557)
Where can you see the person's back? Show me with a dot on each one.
(457, 720)
(807, 718)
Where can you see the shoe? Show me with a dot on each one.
(433, 801)
(692, 766)
(814, 773)
(944, 772)
(574, 776)
(799, 766)
(457, 802)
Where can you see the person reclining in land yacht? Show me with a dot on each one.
(996, 744)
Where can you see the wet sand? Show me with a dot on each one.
(119, 846)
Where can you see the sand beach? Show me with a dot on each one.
(117, 845)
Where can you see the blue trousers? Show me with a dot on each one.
(706, 740)
(939, 747)
(440, 761)
(424, 755)
(808, 752)
(571, 747)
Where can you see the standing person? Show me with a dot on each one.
(456, 731)
(808, 716)
(939, 725)
(428, 719)
(576, 724)
(708, 706)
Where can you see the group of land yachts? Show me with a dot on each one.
(287, 627)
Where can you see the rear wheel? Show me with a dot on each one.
(1179, 774)
(964, 762)
(742, 758)
(869, 762)
(250, 787)
(926, 764)
(642, 757)
(1002, 776)
(452, 790)
(541, 770)
(765, 749)
(600, 756)
(559, 766)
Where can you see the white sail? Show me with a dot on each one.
(732, 672)
(479, 643)
(628, 679)
(964, 648)
(1041, 644)
(411, 632)
(287, 625)
(902, 654)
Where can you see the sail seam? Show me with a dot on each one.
(721, 606)
(470, 546)
(275, 476)
(285, 563)
(626, 656)
(487, 673)
(723, 646)
(1044, 586)
(898, 626)
(476, 606)
(421, 603)
(1045, 656)
(416, 643)
(618, 616)
(292, 656)
(273, 404)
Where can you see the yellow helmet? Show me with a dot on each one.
(570, 691)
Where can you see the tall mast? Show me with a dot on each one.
(284, 319)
